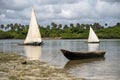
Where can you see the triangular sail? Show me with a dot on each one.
(92, 36)
(33, 34)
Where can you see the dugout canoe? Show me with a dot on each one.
(82, 54)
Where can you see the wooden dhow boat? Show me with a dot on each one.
(83, 54)
(33, 36)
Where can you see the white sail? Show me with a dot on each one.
(32, 52)
(92, 36)
(33, 34)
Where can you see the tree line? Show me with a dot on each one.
(71, 31)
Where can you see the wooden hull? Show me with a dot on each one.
(33, 44)
(82, 55)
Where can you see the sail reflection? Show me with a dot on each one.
(32, 52)
(93, 46)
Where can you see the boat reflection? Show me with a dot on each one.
(93, 46)
(32, 52)
(73, 64)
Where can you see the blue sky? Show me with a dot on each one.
(60, 11)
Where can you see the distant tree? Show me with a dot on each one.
(23, 27)
(12, 26)
(65, 26)
(6, 27)
(118, 24)
(54, 25)
(48, 27)
(71, 25)
(26, 27)
(96, 26)
(106, 24)
(78, 25)
(2, 26)
(87, 26)
(59, 26)
(83, 26)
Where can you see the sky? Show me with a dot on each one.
(60, 11)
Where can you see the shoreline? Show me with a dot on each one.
(59, 38)
(13, 67)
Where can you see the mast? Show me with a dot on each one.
(33, 34)
(92, 36)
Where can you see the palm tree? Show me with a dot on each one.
(118, 24)
(71, 25)
(106, 24)
(2, 26)
(8, 26)
(54, 26)
(96, 26)
(65, 26)
(48, 27)
(83, 26)
(59, 26)
(12, 26)
(78, 25)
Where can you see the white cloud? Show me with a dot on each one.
(54, 2)
(2, 15)
(111, 0)
(108, 9)
(62, 11)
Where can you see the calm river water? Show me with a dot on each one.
(107, 68)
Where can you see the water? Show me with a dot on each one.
(107, 68)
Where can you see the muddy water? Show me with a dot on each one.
(101, 68)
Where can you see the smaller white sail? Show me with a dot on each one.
(33, 34)
(92, 36)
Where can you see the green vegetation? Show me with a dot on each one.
(72, 31)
